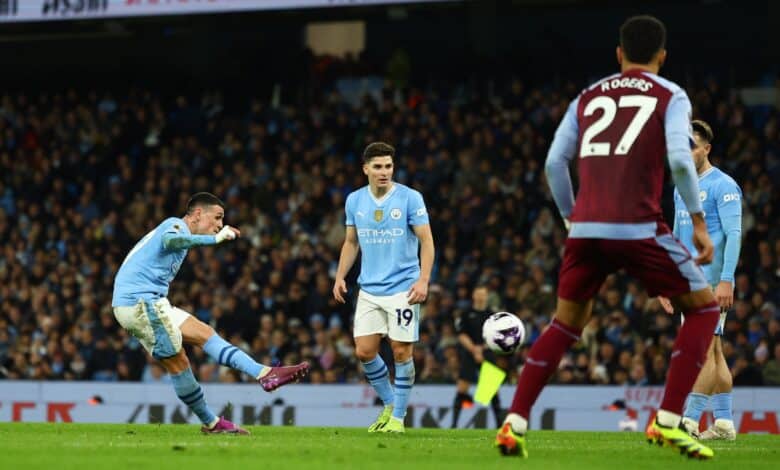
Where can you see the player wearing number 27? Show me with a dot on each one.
(622, 130)
(388, 222)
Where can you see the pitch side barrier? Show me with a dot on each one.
(582, 408)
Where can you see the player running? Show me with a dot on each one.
(141, 307)
(388, 222)
(622, 129)
(721, 200)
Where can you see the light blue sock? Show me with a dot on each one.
(721, 406)
(378, 377)
(404, 379)
(189, 392)
(228, 355)
(695, 406)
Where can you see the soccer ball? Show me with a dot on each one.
(503, 333)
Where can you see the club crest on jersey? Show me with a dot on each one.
(702, 196)
(378, 214)
(395, 214)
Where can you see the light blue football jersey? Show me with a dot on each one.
(149, 268)
(390, 262)
(721, 200)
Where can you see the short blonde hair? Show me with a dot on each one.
(703, 129)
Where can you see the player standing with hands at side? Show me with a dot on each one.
(721, 200)
(388, 222)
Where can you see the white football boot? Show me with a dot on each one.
(722, 429)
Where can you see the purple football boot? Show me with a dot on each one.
(224, 426)
(279, 376)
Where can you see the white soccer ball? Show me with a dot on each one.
(503, 333)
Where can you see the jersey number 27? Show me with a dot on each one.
(589, 148)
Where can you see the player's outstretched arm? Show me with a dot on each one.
(419, 290)
(180, 241)
(349, 252)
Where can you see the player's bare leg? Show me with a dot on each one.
(191, 394)
(404, 380)
(723, 427)
(543, 359)
(197, 333)
(690, 349)
(367, 352)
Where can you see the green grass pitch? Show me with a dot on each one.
(179, 447)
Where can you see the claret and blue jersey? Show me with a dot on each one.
(385, 229)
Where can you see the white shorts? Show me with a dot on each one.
(389, 315)
(156, 325)
(719, 327)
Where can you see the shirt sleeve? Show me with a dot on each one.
(677, 125)
(730, 214)
(675, 223)
(417, 213)
(177, 236)
(562, 151)
(348, 210)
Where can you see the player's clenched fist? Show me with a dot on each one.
(227, 233)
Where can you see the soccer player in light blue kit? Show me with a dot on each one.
(388, 222)
(721, 200)
(141, 307)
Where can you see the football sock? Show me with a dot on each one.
(518, 424)
(495, 404)
(377, 375)
(228, 355)
(404, 379)
(688, 355)
(668, 419)
(695, 406)
(189, 392)
(457, 405)
(543, 360)
(721, 406)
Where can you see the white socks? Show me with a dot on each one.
(668, 419)
(518, 423)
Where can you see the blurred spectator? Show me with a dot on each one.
(84, 176)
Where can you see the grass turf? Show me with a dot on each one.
(161, 447)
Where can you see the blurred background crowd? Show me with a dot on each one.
(85, 174)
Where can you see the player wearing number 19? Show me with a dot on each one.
(388, 222)
(141, 307)
(622, 129)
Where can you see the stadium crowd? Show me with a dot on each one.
(83, 176)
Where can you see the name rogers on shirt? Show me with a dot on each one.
(638, 83)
